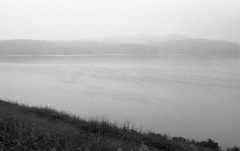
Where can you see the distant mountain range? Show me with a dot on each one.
(141, 39)
(140, 44)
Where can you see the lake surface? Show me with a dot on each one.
(189, 96)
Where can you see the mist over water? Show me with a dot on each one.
(192, 97)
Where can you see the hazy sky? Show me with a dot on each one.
(81, 19)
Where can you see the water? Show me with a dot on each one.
(192, 97)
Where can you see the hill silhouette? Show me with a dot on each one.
(79, 47)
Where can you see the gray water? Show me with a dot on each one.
(193, 97)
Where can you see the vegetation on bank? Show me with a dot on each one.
(24, 127)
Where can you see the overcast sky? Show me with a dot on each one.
(84, 19)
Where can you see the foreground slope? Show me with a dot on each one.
(42, 128)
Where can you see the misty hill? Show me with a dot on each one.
(175, 37)
(176, 44)
(199, 47)
(30, 47)
(78, 47)
(97, 47)
(141, 39)
(34, 47)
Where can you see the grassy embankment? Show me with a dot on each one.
(24, 127)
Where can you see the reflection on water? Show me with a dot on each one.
(192, 97)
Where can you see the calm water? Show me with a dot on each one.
(193, 97)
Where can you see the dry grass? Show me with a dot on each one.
(25, 128)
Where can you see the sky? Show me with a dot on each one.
(87, 19)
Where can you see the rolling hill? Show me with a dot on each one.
(180, 46)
